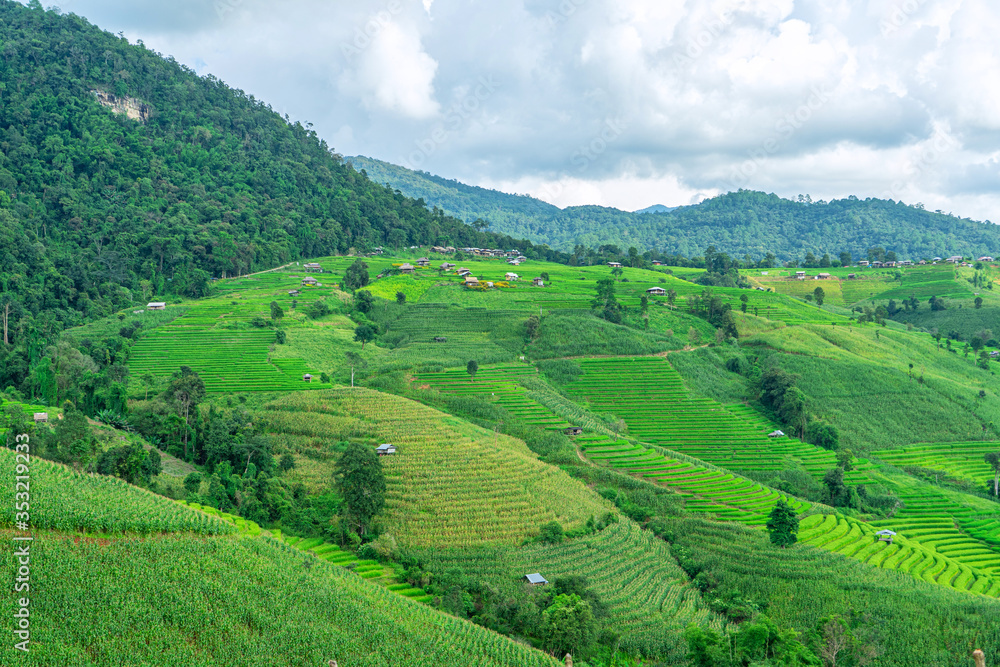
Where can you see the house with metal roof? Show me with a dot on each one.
(535, 579)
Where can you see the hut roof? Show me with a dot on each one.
(535, 578)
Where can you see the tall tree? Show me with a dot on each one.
(361, 481)
(363, 334)
(783, 524)
(472, 368)
(356, 275)
(185, 391)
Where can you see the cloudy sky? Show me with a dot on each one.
(622, 103)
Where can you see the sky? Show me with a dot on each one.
(623, 103)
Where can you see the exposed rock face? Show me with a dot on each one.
(131, 107)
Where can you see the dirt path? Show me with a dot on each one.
(257, 273)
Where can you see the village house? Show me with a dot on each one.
(985, 258)
(800, 275)
(462, 271)
(573, 430)
(156, 305)
(511, 276)
(656, 291)
(822, 276)
(615, 265)
(657, 262)
(471, 281)
(423, 261)
(385, 449)
(313, 266)
(954, 259)
(41, 417)
(406, 268)
(863, 263)
(537, 282)
(447, 266)
(309, 280)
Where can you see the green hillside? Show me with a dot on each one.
(738, 223)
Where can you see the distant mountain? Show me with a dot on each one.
(739, 223)
(656, 208)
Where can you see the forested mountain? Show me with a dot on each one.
(98, 208)
(738, 223)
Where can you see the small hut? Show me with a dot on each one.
(385, 449)
(656, 291)
(440, 339)
(307, 377)
(471, 281)
(313, 266)
(885, 535)
(406, 268)
(775, 434)
(41, 417)
(573, 430)
(423, 261)
(535, 579)
(538, 282)
(156, 305)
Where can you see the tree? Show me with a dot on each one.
(185, 391)
(783, 524)
(364, 301)
(356, 276)
(979, 302)
(276, 312)
(364, 333)
(192, 482)
(694, 337)
(361, 482)
(819, 294)
(551, 533)
(993, 458)
(568, 625)
(644, 304)
(531, 327)
(838, 493)
(844, 460)
(287, 462)
(355, 360)
(472, 367)
(401, 298)
(845, 259)
(744, 299)
(671, 296)
(823, 434)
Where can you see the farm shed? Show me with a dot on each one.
(538, 282)
(573, 430)
(535, 579)
(615, 265)
(41, 417)
(885, 535)
(313, 266)
(385, 449)
(800, 275)
(293, 292)
(656, 291)
(822, 276)
(156, 305)
(406, 268)
(307, 377)
(309, 280)
(775, 434)
(423, 261)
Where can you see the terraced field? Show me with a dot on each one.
(500, 384)
(226, 360)
(213, 337)
(451, 483)
(649, 597)
(929, 548)
(962, 460)
(650, 396)
(487, 336)
(721, 494)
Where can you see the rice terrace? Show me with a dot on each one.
(266, 404)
